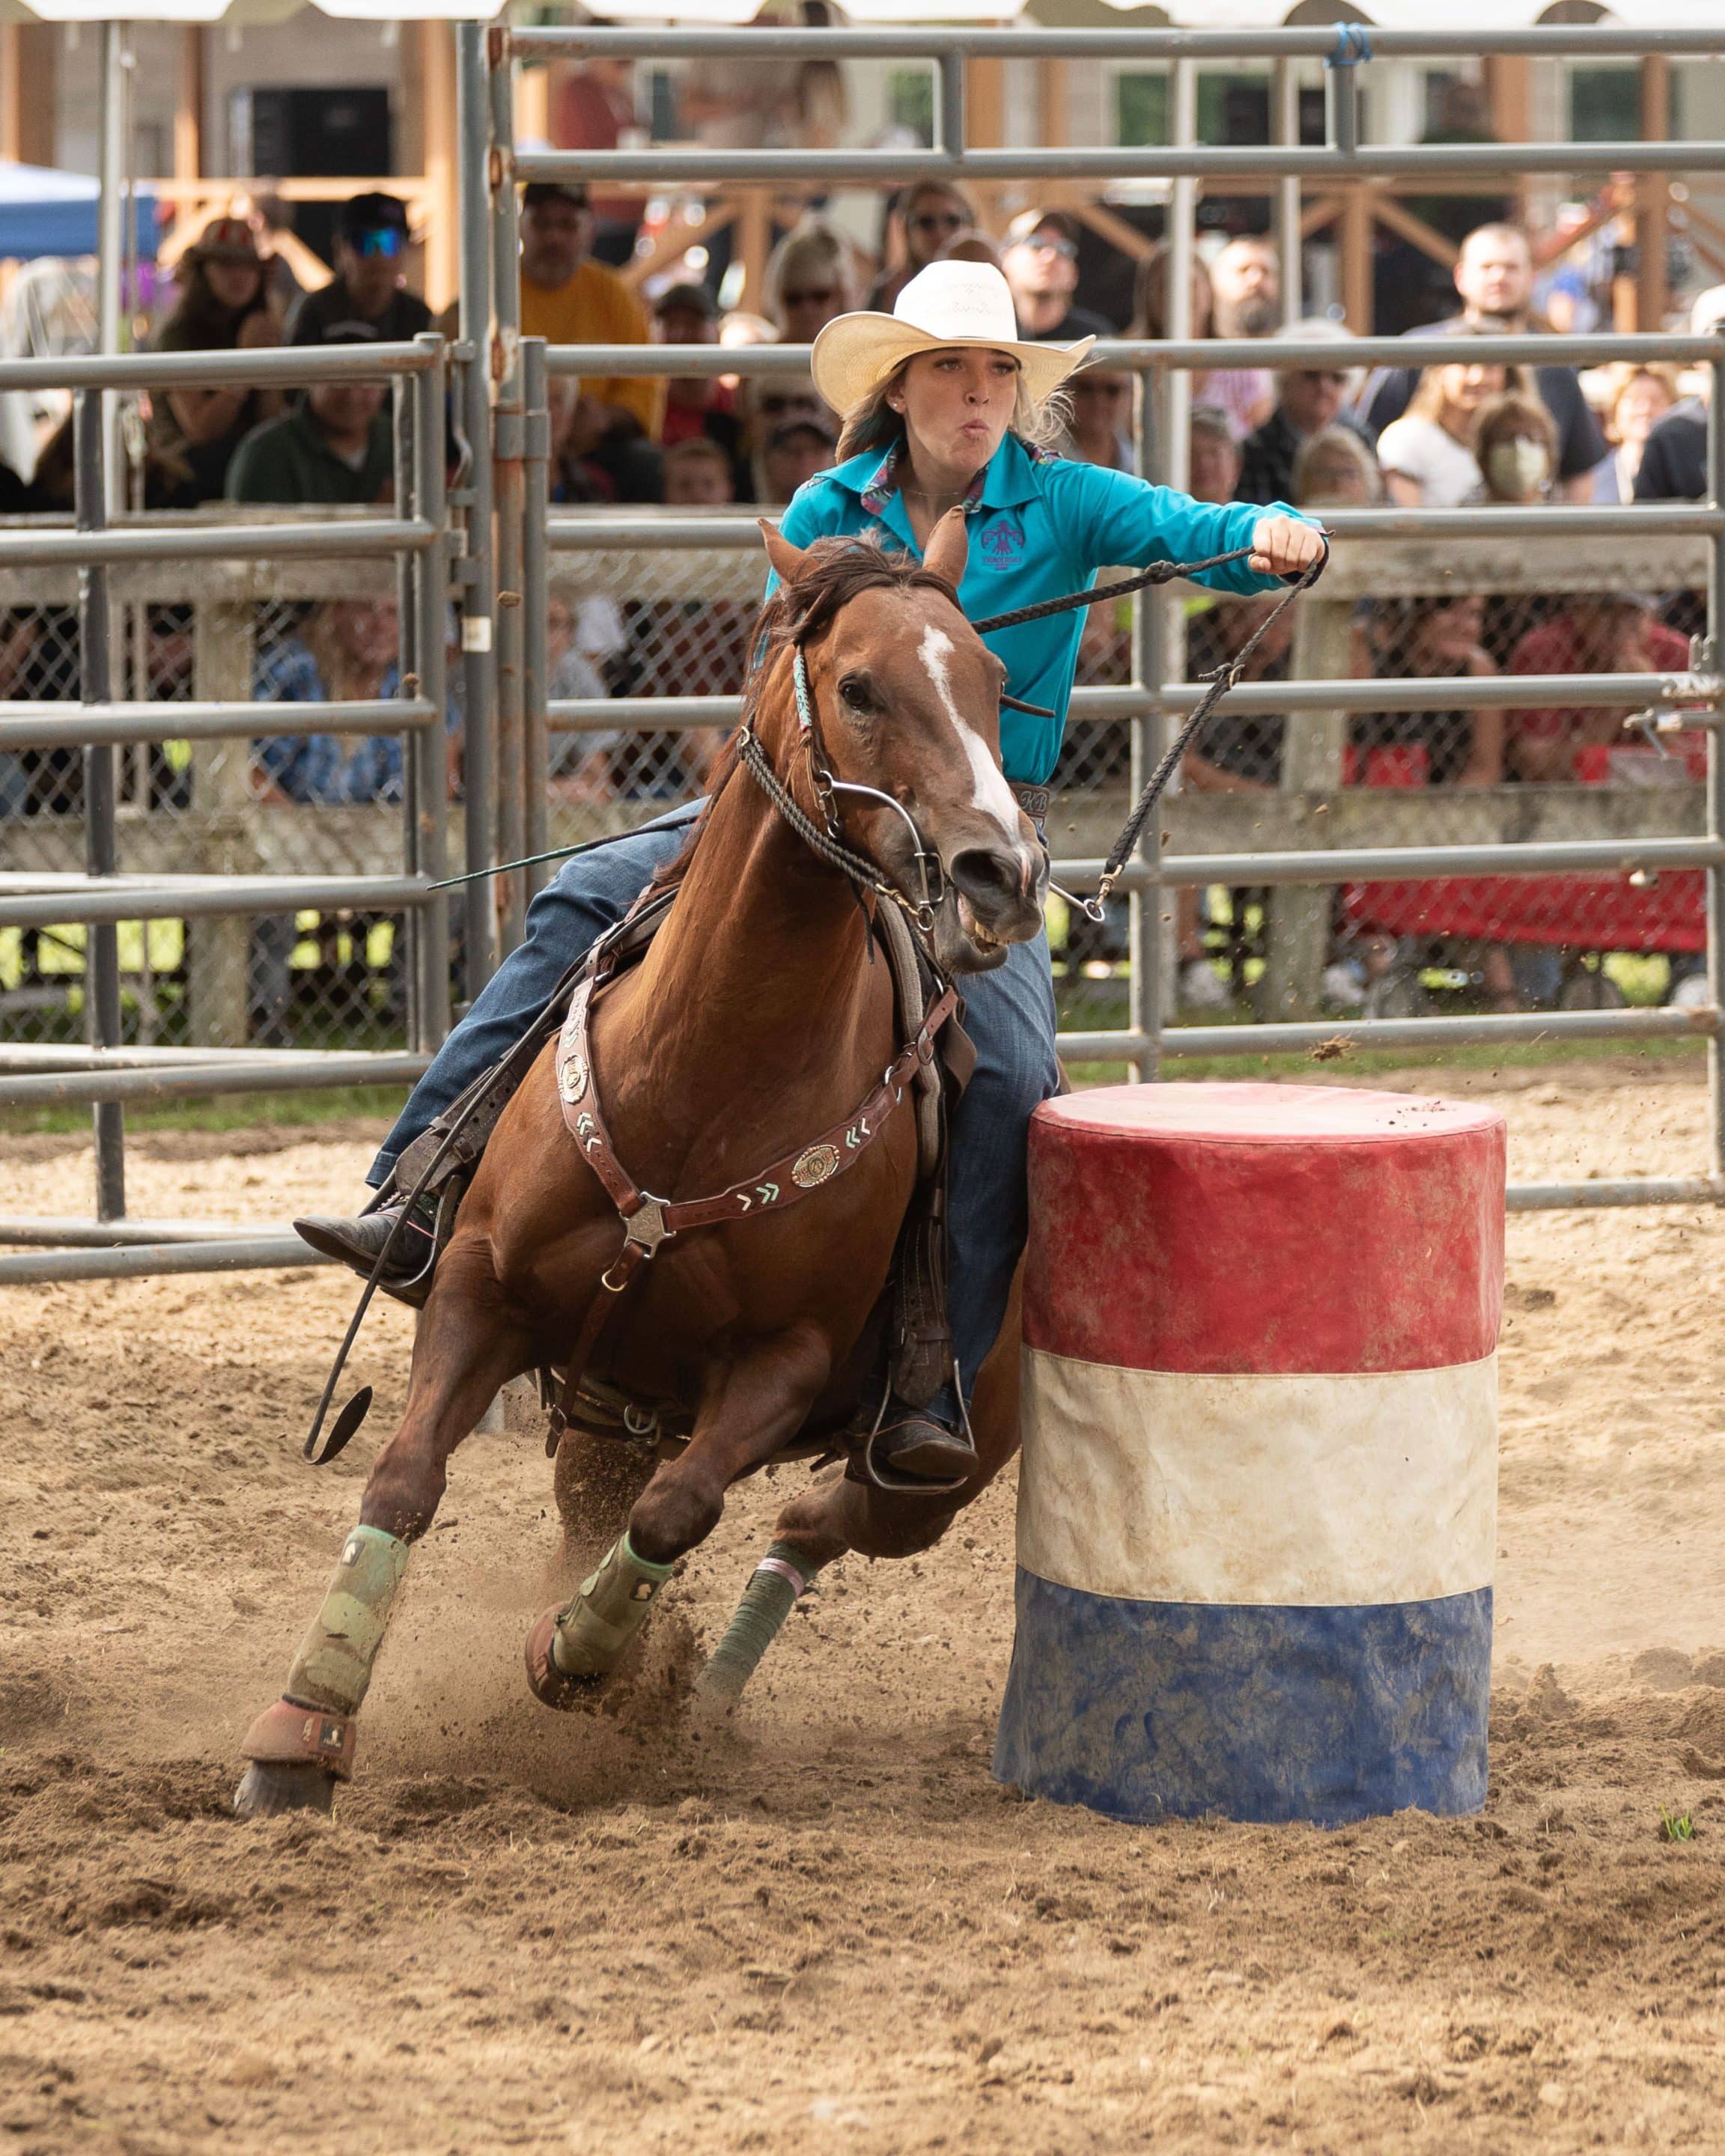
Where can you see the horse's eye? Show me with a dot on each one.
(857, 691)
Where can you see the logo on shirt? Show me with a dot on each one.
(1003, 543)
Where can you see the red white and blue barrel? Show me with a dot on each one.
(1257, 1503)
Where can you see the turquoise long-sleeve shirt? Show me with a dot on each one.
(1040, 526)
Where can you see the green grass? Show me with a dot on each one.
(1676, 1826)
(225, 1111)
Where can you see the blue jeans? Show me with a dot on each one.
(1011, 1020)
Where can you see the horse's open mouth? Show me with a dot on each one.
(974, 929)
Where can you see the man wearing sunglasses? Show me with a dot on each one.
(1307, 400)
(370, 242)
(1040, 259)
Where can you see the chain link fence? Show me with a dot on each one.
(306, 804)
(1403, 772)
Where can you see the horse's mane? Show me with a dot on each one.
(833, 572)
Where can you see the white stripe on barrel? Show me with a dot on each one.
(1257, 1504)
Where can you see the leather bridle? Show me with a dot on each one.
(832, 843)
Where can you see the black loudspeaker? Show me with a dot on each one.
(311, 135)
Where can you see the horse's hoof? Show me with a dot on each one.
(268, 1789)
(545, 1680)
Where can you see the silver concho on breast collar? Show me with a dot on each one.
(571, 1079)
(814, 1166)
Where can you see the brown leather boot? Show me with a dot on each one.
(356, 1243)
(915, 1455)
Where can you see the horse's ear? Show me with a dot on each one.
(787, 560)
(948, 548)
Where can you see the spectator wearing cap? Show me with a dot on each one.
(335, 447)
(371, 241)
(1673, 466)
(932, 214)
(224, 306)
(1040, 263)
(697, 406)
(1307, 400)
(568, 298)
(794, 452)
(1245, 302)
(1494, 275)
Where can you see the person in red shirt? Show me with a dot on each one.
(1606, 633)
(695, 404)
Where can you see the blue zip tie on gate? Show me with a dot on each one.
(1352, 45)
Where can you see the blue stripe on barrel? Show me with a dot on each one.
(1144, 1710)
(1257, 1501)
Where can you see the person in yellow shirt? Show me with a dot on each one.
(568, 298)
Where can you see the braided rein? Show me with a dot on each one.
(867, 874)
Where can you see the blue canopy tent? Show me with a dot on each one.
(43, 212)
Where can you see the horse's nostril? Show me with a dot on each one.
(985, 875)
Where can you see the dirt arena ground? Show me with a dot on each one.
(828, 1929)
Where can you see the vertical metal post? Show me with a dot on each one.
(1716, 755)
(1149, 672)
(1285, 131)
(1342, 91)
(507, 482)
(101, 940)
(535, 597)
(428, 746)
(406, 415)
(110, 245)
(1181, 260)
(1164, 454)
(949, 102)
(479, 677)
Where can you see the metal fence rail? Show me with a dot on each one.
(1150, 699)
(531, 738)
(102, 899)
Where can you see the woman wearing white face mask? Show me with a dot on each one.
(1516, 445)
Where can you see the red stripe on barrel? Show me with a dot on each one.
(1264, 1228)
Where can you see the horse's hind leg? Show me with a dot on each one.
(300, 1748)
(754, 1406)
(838, 1515)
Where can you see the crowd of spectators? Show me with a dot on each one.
(1466, 434)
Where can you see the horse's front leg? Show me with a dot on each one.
(464, 1353)
(754, 1405)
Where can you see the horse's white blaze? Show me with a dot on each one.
(989, 791)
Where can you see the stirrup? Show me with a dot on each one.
(869, 1465)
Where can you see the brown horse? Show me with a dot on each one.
(754, 1024)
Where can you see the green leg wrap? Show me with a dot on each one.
(767, 1601)
(333, 1666)
(593, 1629)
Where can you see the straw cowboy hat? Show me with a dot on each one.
(948, 304)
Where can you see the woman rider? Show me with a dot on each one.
(944, 406)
